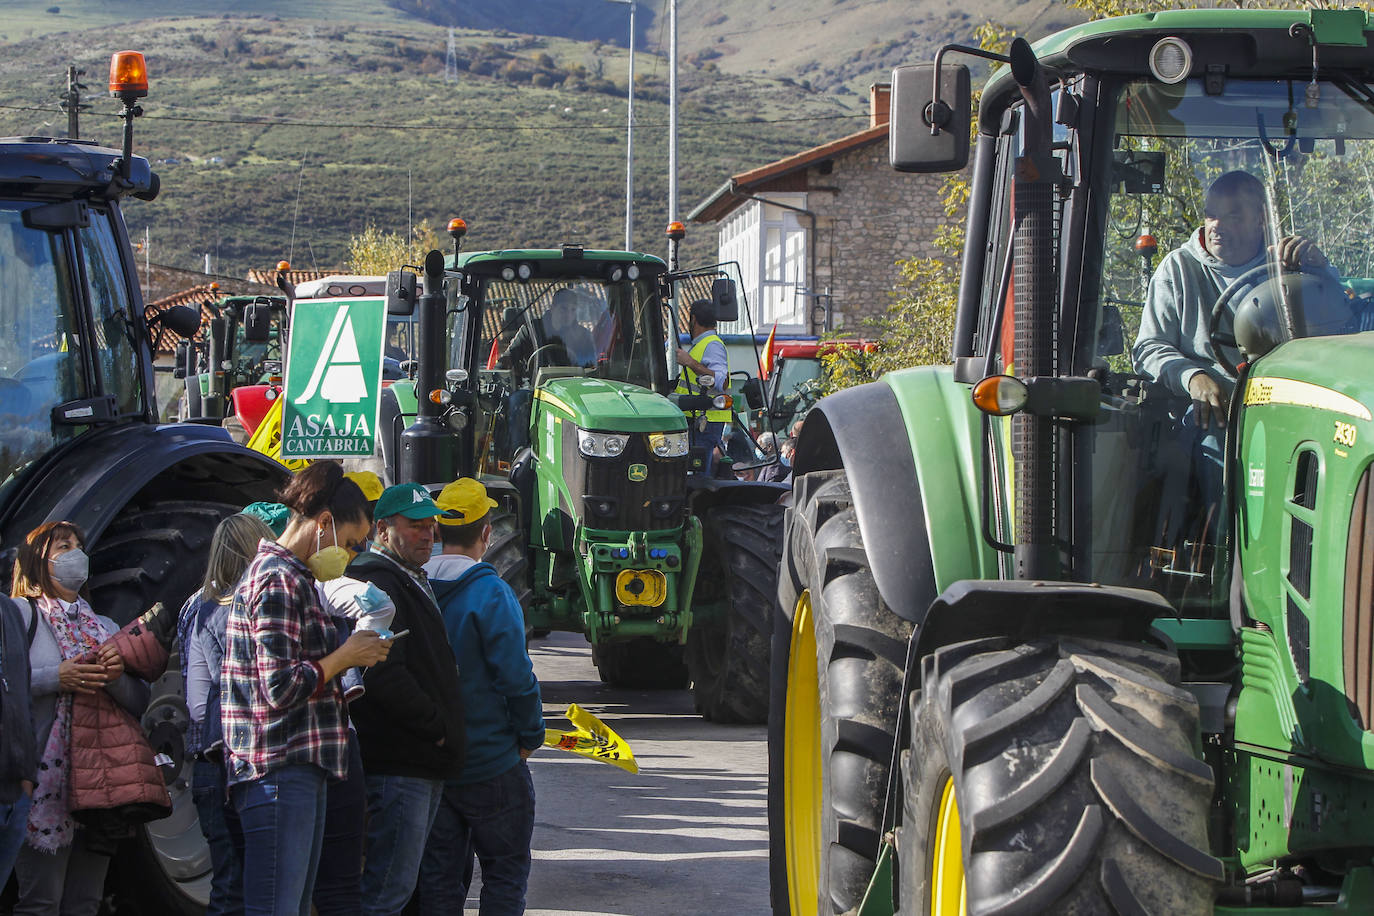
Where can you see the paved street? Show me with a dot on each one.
(687, 835)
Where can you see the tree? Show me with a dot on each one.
(373, 252)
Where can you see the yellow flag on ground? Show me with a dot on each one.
(592, 738)
(267, 438)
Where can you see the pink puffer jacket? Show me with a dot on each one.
(111, 763)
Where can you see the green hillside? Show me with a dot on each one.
(527, 143)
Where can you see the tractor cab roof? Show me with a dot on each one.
(42, 167)
(568, 261)
(1248, 43)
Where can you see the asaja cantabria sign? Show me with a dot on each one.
(333, 378)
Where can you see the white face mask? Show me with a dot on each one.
(71, 569)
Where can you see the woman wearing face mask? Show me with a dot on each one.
(283, 710)
(62, 865)
(201, 631)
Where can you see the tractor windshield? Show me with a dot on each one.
(1232, 221)
(597, 327)
(40, 353)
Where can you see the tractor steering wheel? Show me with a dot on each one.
(532, 360)
(1250, 280)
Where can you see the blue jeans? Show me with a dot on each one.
(338, 887)
(400, 811)
(219, 823)
(283, 829)
(711, 439)
(495, 820)
(14, 820)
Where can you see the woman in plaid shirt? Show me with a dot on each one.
(283, 711)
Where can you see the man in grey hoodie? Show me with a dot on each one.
(18, 743)
(1173, 346)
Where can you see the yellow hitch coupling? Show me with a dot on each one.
(647, 587)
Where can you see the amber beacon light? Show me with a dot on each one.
(128, 75)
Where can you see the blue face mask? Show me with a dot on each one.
(372, 599)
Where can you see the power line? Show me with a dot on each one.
(286, 122)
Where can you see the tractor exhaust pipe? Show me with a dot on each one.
(428, 451)
(1037, 554)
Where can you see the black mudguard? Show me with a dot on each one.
(862, 430)
(91, 480)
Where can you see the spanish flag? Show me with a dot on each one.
(766, 361)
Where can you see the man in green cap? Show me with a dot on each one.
(410, 720)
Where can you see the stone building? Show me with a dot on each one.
(817, 235)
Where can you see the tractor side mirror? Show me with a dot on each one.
(753, 393)
(1111, 336)
(257, 323)
(400, 292)
(724, 299)
(912, 147)
(181, 320)
(510, 321)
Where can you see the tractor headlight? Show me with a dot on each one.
(601, 445)
(1170, 60)
(668, 445)
(722, 402)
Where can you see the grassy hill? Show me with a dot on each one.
(527, 144)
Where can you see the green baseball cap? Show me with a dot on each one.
(273, 515)
(408, 499)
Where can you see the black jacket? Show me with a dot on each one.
(18, 743)
(412, 699)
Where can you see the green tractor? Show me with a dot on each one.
(546, 374)
(1049, 644)
(234, 371)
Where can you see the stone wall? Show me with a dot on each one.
(867, 218)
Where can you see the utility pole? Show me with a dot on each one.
(672, 111)
(71, 101)
(451, 61)
(630, 136)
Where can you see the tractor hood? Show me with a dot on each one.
(611, 406)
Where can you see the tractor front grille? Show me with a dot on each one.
(611, 496)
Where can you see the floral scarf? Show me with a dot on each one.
(50, 819)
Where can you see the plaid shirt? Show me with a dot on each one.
(278, 708)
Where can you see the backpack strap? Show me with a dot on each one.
(33, 620)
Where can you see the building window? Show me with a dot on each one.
(770, 245)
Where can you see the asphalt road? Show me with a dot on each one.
(688, 834)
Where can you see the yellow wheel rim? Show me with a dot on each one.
(947, 895)
(801, 765)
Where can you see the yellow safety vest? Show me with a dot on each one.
(687, 381)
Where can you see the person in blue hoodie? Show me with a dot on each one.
(489, 809)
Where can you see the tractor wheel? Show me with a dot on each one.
(157, 551)
(728, 656)
(507, 553)
(1066, 768)
(836, 701)
(641, 664)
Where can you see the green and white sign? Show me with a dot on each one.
(333, 378)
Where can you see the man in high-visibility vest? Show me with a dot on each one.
(705, 364)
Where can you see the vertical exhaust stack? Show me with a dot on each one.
(428, 454)
(1035, 314)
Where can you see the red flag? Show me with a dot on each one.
(494, 354)
(766, 363)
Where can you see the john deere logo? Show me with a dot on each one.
(638, 472)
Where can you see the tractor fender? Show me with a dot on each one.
(909, 445)
(91, 481)
(1026, 610)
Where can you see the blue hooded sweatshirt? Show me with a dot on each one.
(501, 701)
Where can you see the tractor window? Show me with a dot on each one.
(40, 355)
(600, 328)
(115, 353)
(1233, 223)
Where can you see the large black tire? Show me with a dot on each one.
(1076, 780)
(157, 551)
(727, 656)
(508, 554)
(640, 663)
(840, 706)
